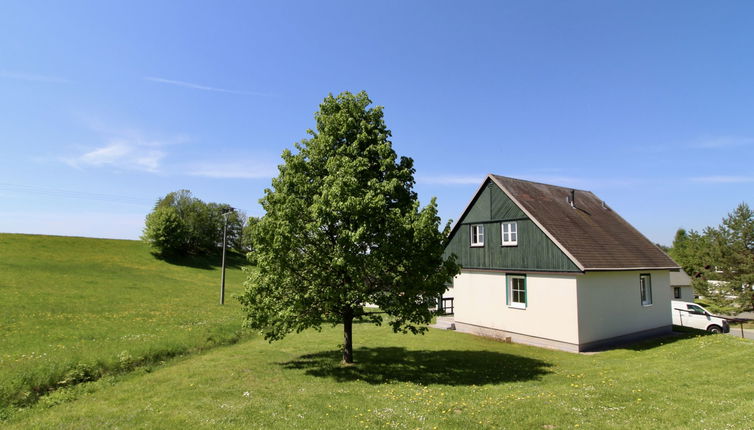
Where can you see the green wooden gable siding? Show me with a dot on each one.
(501, 207)
(535, 251)
(480, 207)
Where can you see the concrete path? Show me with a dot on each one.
(445, 323)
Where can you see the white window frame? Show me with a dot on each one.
(509, 233)
(476, 232)
(645, 289)
(511, 297)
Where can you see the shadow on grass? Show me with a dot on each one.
(206, 262)
(447, 367)
(679, 333)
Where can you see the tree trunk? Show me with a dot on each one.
(348, 337)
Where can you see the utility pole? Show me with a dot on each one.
(226, 212)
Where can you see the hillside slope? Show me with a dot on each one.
(444, 380)
(75, 308)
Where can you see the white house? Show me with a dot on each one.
(680, 282)
(555, 267)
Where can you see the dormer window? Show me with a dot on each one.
(477, 235)
(510, 233)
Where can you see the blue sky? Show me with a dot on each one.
(107, 106)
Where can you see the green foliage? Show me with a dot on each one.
(247, 239)
(75, 309)
(343, 227)
(165, 230)
(735, 242)
(183, 224)
(444, 380)
(720, 260)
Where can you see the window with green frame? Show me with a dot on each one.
(516, 291)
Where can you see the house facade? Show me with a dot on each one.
(680, 283)
(555, 267)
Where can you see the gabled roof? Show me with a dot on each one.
(591, 234)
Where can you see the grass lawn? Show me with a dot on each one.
(441, 380)
(73, 309)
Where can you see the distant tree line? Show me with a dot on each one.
(181, 224)
(723, 255)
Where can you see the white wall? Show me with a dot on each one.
(551, 311)
(610, 304)
(687, 293)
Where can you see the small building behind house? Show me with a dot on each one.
(680, 283)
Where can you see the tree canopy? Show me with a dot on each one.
(183, 224)
(723, 255)
(343, 227)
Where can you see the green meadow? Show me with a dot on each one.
(443, 380)
(75, 309)
(100, 334)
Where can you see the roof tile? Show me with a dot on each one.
(591, 232)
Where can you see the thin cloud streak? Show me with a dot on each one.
(121, 153)
(722, 179)
(723, 142)
(124, 149)
(22, 76)
(237, 170)
(451, 180)
(559, 180)
(200, 87)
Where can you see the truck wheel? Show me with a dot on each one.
(715, 329)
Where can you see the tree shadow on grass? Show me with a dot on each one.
(207, 262)
(678, 333)
(446, 367)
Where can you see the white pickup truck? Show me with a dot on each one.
(689, 314)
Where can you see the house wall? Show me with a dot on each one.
(609, 305)
(550, 318)
(687, 293)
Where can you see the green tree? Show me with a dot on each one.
(194, 217)
(735, 242)
(215, 223)
(343, 227)
(165, 231)
(193, 226)
(720, 260)
(247, 239)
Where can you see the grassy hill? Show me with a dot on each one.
(444, 380)
(73, 309)
(98, 319)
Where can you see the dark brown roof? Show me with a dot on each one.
(593, 235)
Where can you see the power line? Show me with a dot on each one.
(83, 195)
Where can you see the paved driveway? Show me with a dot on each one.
(735, 330)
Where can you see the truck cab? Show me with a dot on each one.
(687, 314)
